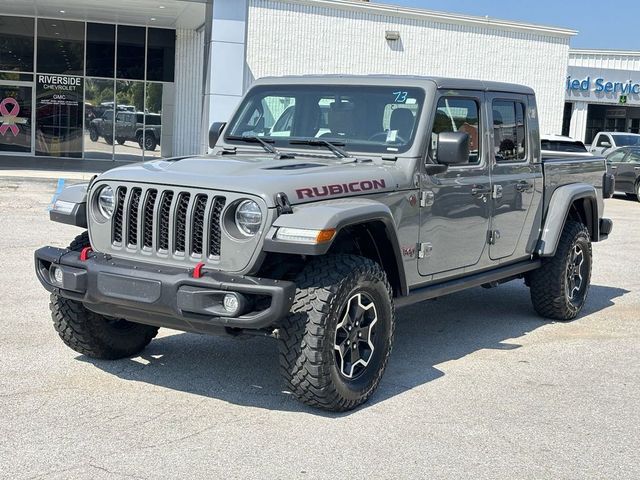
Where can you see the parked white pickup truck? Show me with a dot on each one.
(605, 142)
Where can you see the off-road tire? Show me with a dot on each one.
(307, 337)
(637, 194)
(150, 142)
(108, 139)
(94, 136)
(121, 141)
(549, 286)
(94, 335)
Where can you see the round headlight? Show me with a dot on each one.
(248, 217)
(106, 202)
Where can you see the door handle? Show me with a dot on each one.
(480, 190)
(523, 186)
(636, 168)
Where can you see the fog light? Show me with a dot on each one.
(231, 303)
(56, 275)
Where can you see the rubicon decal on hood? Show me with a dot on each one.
(340, 188)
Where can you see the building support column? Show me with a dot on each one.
(578, 127)
(226, 60)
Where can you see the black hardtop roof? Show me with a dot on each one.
(392, 80)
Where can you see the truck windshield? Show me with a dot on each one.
(359, 118)
(626, 140)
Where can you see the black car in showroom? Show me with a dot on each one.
(624, 164)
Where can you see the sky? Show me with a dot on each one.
(602, 24)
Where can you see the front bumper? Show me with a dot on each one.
(163, 296)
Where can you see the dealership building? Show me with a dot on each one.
(130, 80)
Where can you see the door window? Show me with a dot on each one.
(602, 139)
(509, 131)
(634, 157)
(455, 114)
(616, 157)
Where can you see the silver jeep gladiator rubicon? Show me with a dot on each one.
(372, 193)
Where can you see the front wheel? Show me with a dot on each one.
(335, 344)
(93, 134)
(560, 286)
(95, 335)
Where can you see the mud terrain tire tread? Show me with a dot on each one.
(302, 336)
(547, 283)
(91, 334)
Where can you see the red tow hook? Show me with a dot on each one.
(84, 254)
(197, 271)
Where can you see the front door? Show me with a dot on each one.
(456, 204)
(514, 174)
(615, 161)
(16, 118)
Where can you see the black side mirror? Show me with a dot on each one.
(453, 148)
(215, 132)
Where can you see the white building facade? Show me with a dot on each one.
(222, 46)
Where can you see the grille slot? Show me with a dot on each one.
(214, 226)
(182, 209)
(118, 215)
(134, 209)
(147, 220)
(178, 224)
(197, 228)
(163, 220)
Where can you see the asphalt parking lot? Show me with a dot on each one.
(478, 386)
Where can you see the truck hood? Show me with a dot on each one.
(302, 179)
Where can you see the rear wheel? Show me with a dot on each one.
(93, 134)
(120, 141)
(150, 142)
(95, 335)
(637, 191)
(335, 344)
(560, 286)
(109, 140)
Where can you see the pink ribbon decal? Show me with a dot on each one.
(8, 117)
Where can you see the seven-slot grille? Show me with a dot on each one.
(169, 222)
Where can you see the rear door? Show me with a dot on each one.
(515, 173)
(615, 161)
(454, 222)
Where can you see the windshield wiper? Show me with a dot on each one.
(318, 142)
(266, 144)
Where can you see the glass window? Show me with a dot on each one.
(128, 130)
(616, 156)
(59, 110)
(131, 41)
(153, 120)
(15, 119)
(161, 53)
(634, 157)
(509, 131)
(101, 49)
(360, 118)
(454, 114)
(626, 140)
(98, 118)
(60, 47)
(16, 43)
(602, 139)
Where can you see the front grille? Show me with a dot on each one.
(171, 223)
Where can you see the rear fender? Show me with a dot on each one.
(584, 198)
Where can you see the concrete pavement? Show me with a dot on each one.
(477, 387)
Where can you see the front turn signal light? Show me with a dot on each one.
(303, 235)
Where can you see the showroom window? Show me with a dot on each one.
(101, 49)
(16, 43)
(60, 47)
(64, 83)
